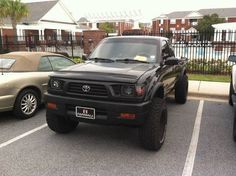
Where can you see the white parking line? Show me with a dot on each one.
(189, 163)
(22, 135)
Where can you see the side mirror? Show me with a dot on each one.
(171, 61)
(232, 58)
(84, 57)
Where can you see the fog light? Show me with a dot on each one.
(51, 106)
(127, 116)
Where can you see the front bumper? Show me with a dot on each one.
(107, 112)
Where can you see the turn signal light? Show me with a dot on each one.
(127, 116)
(51, 106)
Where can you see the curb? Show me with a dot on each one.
(208, 95)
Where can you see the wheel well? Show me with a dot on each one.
(32, 88)
(160, 92)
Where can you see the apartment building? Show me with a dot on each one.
(183, 21)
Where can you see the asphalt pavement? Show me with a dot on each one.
(115, 150)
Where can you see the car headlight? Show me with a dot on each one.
(56, 84)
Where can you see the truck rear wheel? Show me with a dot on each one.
(152, 133)
(60, 124)
(181, 90)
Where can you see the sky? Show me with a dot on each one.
(149, 8)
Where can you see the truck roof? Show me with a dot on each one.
(140, 37)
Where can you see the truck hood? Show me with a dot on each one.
(116, 72)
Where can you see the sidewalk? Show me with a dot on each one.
(207, 89)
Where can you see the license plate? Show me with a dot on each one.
(85, 112)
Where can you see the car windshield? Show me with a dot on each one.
(6, 63)
(127, 50)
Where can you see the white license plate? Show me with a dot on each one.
(85, 112)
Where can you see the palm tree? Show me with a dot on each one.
(2, 10)
(15, 10)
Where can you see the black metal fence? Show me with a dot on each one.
(69, 44)
(207, 52)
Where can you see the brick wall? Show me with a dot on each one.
(95, 36)
(232, 19)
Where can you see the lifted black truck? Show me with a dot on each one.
(124, 82)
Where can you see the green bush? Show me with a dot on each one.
(77, 60)
(208, 67)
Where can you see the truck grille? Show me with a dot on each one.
(94, 89)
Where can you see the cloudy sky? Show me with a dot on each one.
(149, 8)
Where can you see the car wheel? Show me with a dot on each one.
(60, 124)
(152, 133)
(181, 90)
(230, 93)
(26, 104)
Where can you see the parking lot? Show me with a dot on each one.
(29, 147)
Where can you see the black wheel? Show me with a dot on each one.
(60, 124)
(234, 128)
(26, 104)
(152, 133)
(230, 93)
(181, 90)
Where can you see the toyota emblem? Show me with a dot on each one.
(85, 88)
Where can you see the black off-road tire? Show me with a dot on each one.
(18, 108)
(152, 133)
(181, 90)
(231, 93)
(60, 124)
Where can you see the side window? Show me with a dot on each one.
(59, 62)
(44, 64)
(164, 49)
(167, 50)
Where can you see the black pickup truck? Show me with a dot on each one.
(124, 81)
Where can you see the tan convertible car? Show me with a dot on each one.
(24, 79)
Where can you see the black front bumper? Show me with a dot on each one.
(107, 112)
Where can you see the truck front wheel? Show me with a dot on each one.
(60, 124)
(152, 133)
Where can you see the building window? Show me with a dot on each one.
(161, 21)
(172, 21)
(161, 30)
(183, 21)
(172, 29)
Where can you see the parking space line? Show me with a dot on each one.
(22, 135)
(189, 163)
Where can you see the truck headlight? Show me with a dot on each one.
(128, 90)
(56, 84)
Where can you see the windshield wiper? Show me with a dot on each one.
(101, 59)
(130, 60)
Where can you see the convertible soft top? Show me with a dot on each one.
(25, 61)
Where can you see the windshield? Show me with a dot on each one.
(6, 63)
(127, 50)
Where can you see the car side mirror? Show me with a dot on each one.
(171, 61)
(84, 57)
(232, 58)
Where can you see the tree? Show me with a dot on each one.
(107, 27)
(2, 10)
(205, 26)
(15, 10)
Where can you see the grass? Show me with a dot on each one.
(206, 77)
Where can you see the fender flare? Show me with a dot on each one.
(158, 86)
